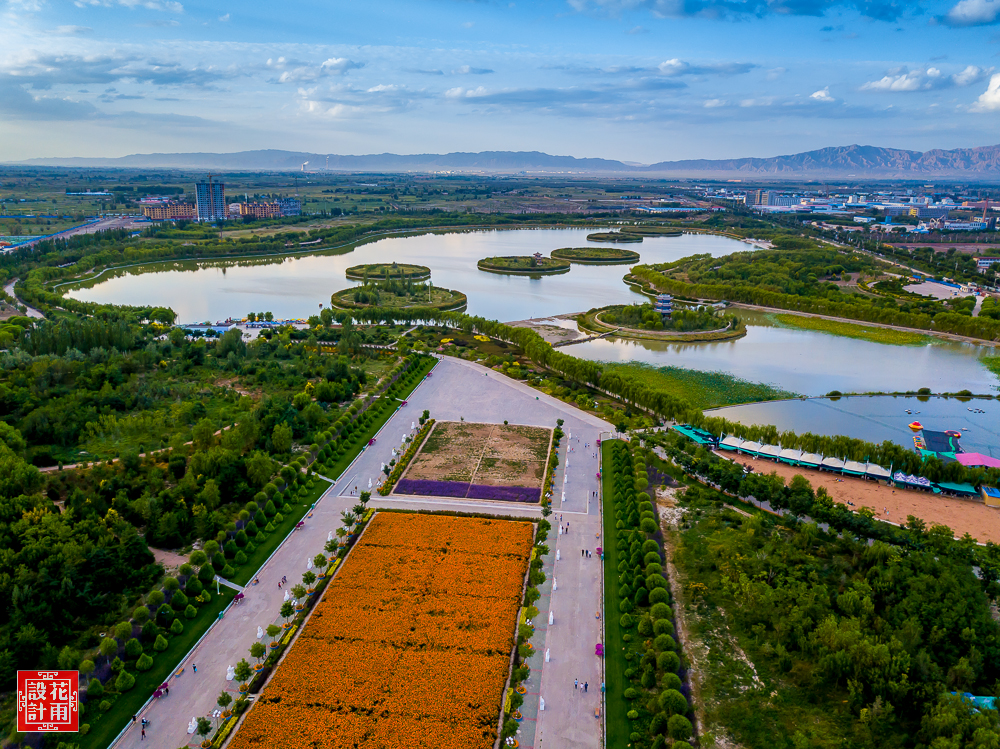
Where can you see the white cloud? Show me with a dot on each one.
(170, 6)
(822, 95)
(715, 103)
(70, 30)
(465, 93)
(301, 72)
(901, 80)
(225, 18)
(775, 73)
(973, 13)
(989, 101)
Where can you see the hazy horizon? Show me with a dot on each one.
(634, 80)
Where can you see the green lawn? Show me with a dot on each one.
(128, 704)
(701, 389)
(616, 706)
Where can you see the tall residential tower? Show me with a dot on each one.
(210, 199)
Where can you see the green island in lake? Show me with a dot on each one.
(386, 271)
(596, 255)
(527, 265)
(397, 294)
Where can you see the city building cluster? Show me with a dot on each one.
(210, 205)
(915, 214)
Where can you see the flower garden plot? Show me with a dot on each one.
(480, 461)
(410, 645)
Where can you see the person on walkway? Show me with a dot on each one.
(143, 735)
(582, 552)
(279, 584)
(194, 667)
(133, 718)
(166, 690)
(284, 579)
(584, 686)
(576, 683)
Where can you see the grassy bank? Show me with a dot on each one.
(992, 363)
(702, 389)
(850, 330)
(618, 724)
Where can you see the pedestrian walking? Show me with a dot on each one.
(584, 686)
(166, 689)
(143, 735)
(133, 718)
(284, 579)
(194, 667)
(576, 683)
(581, 552)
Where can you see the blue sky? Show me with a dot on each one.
(637, 80)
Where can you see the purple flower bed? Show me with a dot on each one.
(432, 488)
(505, 493)
(472, 491)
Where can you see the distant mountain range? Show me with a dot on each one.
(841, 161)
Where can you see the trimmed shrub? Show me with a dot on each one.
(194, 587)
(679, 728)
(645, 626)
(144, 663)
(240, 557)
(179, 601)
(160, 644)
(124, 682)
(671, 681)
(140, 615)
(661, 611)
(659, 595)
(673, 702)
(177, 627)
(663, 627)
(155, 598)
(664, 642)
(626, 621)
(133, 648)
(668, 661)
(190, 612)
(94, 690)
(171, 583)
(631, 693)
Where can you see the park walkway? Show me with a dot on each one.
(456, 389)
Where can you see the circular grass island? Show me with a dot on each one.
(597, 255)
(399, 295)
(387, 271)
(523, 265)
(613, 236)
(642, 321)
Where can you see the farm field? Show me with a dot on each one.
(480, 461)
(410, 645)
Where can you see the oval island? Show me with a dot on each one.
(398, 295)
(386, 271)
(597, 255)
(613, 236)
(523, 265)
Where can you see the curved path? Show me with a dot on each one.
(29, 311)
(456, 389)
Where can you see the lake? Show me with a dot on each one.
(878, 418)
(800, 361)
(293, 287)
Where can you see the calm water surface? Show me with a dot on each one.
(878, 418)
(800, 361)
(295, 287)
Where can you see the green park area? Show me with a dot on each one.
(596, 255)
(527, 265)
(398, 294)
(388, 271)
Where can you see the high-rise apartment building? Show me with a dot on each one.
(210, 200)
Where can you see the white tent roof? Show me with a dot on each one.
(833, 463)
(789, 454)
(772, 451)
(750, 446)
(732, 441)
(811, 459)
(854, 466)
(877, 471)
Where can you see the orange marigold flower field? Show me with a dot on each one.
(410, 645)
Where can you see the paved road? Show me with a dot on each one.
(29, 311)
(112, 222)
(455, 389)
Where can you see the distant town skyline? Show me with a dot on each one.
(634, 80)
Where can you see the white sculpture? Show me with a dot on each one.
(309, 564)
(329, 536)
(260, 632)
(230, 673)
(286, 595)
(555, 584)
(550, 617)
(557, 552)
(413, 425)
(369, 483)
(541, 703)
(546, 655)
(193, 725)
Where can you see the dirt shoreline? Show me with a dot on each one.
(961, 515)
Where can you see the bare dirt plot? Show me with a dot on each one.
(487, 454)
(961, 515)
